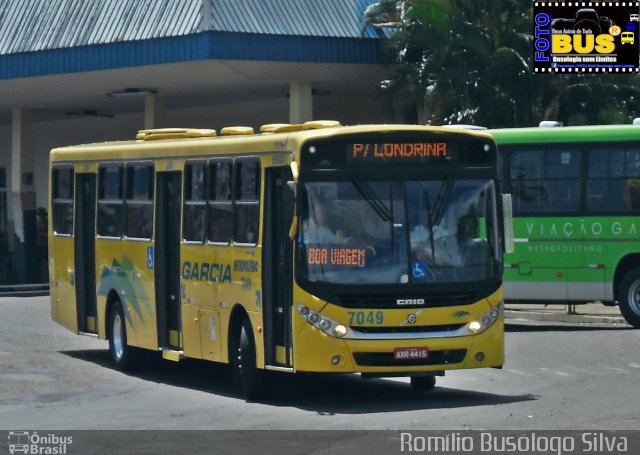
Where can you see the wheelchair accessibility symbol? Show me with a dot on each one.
(419, 270)
(150, 257)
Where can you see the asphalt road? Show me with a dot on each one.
(555, 378)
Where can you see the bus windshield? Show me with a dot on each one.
(355, 231)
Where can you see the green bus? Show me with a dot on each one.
(576, 204)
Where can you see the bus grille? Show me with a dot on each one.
(431, 299)
(385, 359)
(410, 329)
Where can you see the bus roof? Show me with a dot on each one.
(588, 133)
(178, 141)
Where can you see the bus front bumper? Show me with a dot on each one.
(319, 352)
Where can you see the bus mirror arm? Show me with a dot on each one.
(293, 230)
(507, 222)
(295, 170)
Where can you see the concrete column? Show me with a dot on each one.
(207, 13)
(154, 112)
(300, 102)
(23, 197)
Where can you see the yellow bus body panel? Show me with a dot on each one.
(121, 266)
(62, 286)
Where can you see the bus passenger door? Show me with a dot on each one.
(167, 258)
(85, 253)
(277, 268)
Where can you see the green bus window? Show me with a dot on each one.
(545, 180)
(220, 207)
(247, 201)
(110, 200)
(195, 202)
(139, 203)
(612, 183)
(62, 203)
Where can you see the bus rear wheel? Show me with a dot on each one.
(629, 297)
(255, 381)
(124, 357)
(423, 383)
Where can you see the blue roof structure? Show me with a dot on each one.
(59, 36)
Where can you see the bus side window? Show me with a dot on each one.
(62, 203)
(110, 200)
(612, 182)
(526, 189)
(195, 200)
(247, 201)
(545, 180)
(220, 206)
(139, 215)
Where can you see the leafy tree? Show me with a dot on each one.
(470, 61)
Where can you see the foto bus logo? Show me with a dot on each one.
(575, 36)
(581, 35)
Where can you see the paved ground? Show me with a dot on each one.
(556, 377)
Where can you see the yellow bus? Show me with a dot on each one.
(302, 248)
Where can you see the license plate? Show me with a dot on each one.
(410, 353)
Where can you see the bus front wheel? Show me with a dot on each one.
(124, 356)
(423, 383)
(629, 297)
(254, 381)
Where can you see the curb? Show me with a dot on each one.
(517, 316)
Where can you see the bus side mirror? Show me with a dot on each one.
(507, 222)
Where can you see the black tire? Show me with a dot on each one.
(254, 381)
(124, 357)
(629, 297)
(423, 383)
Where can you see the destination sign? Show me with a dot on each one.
(354, 257)
(396, 151)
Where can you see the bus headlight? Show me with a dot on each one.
(339, 330)
(485, 321)
(328, 326)
(475, 326)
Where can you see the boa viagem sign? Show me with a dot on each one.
(592, 37)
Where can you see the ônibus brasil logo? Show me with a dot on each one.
(32, 443)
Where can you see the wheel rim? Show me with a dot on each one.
(634, 297)
(118, 341)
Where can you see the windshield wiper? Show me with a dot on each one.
(371, 197)
(430, 225)
(442, 199)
